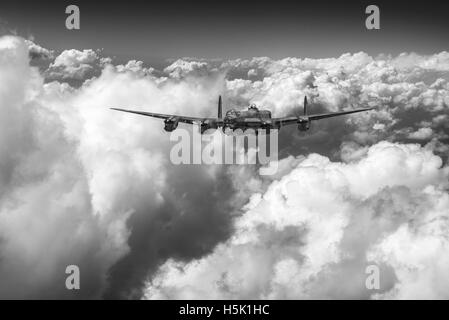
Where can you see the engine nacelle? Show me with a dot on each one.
(206, 125)
(171, 124)
(303, 124)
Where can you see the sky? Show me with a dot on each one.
(155, 31)
(83, 185)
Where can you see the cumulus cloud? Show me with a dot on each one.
(46, 212)
(73, 64)
(312, 233)
(421, 134)
(38, 52)
(439, 61)
(134, 66)
(182, 68)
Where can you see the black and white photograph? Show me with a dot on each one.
(225, 151)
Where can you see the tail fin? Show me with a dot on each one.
(219, 108)
(305, 105)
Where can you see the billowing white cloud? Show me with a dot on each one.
(136, 67)
(182, 68)
(73, 64)
(47, 220)
(439, 62)
(313, 232)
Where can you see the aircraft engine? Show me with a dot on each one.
(170, 124)
(208, 124)
(303, 124)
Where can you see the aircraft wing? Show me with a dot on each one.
(293, 120)
(335, 114)
(182, 119)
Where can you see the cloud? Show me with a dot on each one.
(421, 134)
(136, 67)
(312, 233)
(412, 60)
(46, 222)
(182, 68)
(73, 64)
(38, 52)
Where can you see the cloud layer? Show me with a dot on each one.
(312, 233)
(81, 184)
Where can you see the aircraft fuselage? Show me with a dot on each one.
(248, 119)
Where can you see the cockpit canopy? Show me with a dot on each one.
(232, 113)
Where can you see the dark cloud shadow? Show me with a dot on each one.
(193, 219)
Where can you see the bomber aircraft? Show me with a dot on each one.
(252, 118)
